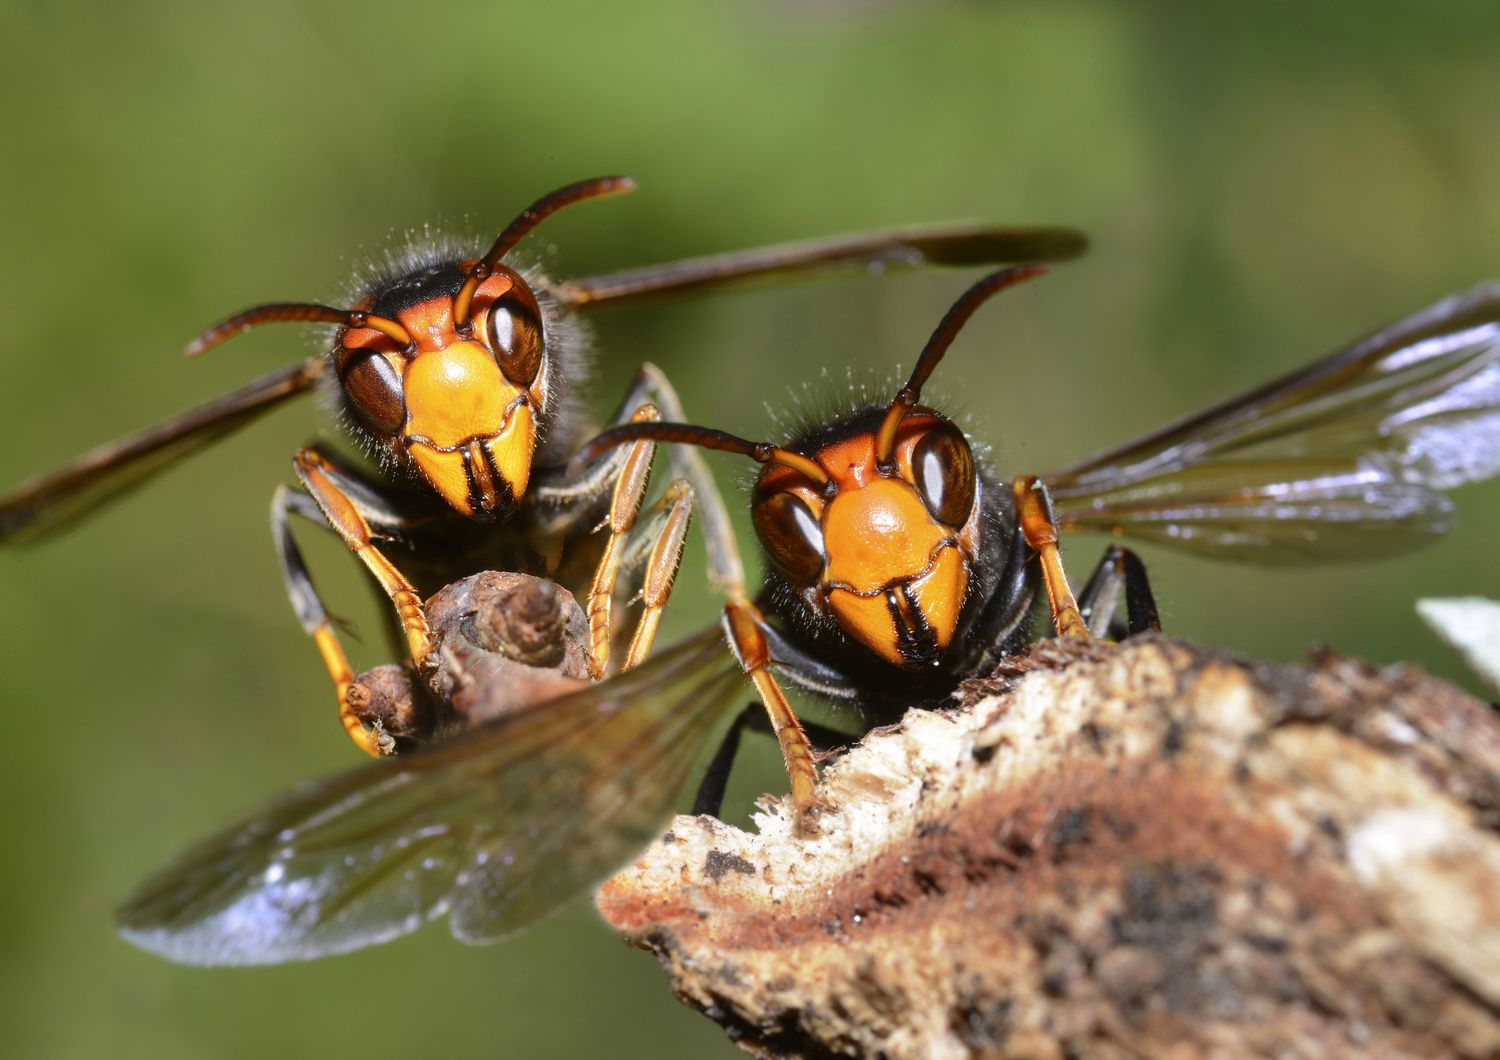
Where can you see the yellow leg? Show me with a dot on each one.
(346, 521)
(743, 621)
(661, 568)
(1034, 509)
(343, 516)
(741, 618)
(314, 619)
(367, 740)
(624, 506)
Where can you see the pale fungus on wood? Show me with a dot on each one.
(1146, 850)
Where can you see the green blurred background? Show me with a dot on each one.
(1262, 182)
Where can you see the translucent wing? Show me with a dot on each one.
(47, 504)
(915, 247)
(496, 828)
(54, 501)
(1346, 458)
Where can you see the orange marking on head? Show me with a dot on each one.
(877, 535)
(444, 472)
(430, 322)
(455, 394)
(850, 462)
(868, 620)
(368, 339)
(940, 595)
(511, 451)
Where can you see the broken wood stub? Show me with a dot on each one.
(502, 642)
(1148, 850)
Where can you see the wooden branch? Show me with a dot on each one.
(1147, 850)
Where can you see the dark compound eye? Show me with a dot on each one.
(791, 536)
(515, 329)
(374, 388)
(943, 466)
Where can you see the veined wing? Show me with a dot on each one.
(41, 507)
(902, 248)
(1346, 458)
(50, 503)
(495, 828)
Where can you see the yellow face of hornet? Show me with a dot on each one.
(885, 552)
(461, 404)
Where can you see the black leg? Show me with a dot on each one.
(710, 798)
(1101, 594)
(1140, 601)
(299, 587)
(1119, 570)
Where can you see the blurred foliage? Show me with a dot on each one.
(1262, 182)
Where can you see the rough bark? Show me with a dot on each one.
(1147, 850)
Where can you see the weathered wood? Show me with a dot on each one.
(502, 643)
(1147, 850)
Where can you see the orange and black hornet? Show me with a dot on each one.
(463, 376)
(898, 564)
